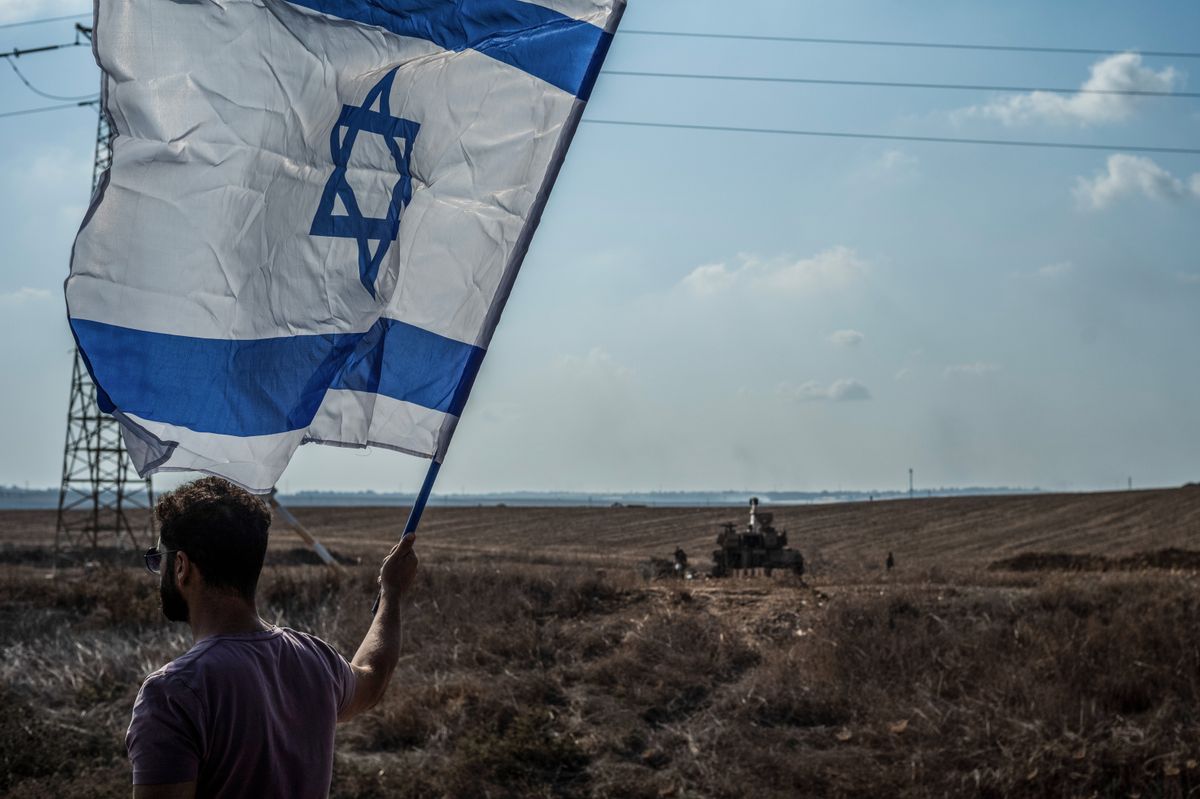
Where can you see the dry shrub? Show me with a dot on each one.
(1075, 688)
(481, 697)
(1170, 558)
(298, 594)
(445, 709)
(781, 693)
(526, 680)
(39, 750)
(102, 598)
(668, 664)
(500, 619)
(382, 777)
(526, 756)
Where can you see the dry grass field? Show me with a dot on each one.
(1025, 646)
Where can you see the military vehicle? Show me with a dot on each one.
(761, 546)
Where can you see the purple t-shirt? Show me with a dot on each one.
(244, 715)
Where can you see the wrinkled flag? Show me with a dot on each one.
(315, 212)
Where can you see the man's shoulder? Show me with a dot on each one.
(298, 635)
(221, 657)
(180, 674)
(172, 684)
(190, 668)
(311, 643)
(185, 667)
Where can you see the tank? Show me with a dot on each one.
(760, 546)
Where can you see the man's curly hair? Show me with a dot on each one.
(222, 528)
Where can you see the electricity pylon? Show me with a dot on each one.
(98, 496)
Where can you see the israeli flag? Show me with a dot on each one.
(315, 212)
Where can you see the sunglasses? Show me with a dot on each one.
(153, 558)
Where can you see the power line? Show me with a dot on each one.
(887, 43)
(47, 108)
(1133, 148)
(17, 52)
(897, 137)
(44, 19)
(12, 63)
(806, 40)
(898, 84)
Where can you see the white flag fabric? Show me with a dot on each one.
(315, 212)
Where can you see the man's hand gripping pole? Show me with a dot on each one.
(414, 518)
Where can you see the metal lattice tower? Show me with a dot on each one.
(100, 490)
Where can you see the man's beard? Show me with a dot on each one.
(174, 606)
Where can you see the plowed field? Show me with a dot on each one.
(841, 538)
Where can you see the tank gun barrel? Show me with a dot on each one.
(760, 546)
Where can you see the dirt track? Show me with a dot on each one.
(846, 538)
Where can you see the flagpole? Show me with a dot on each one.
(516, 257)
(414, 515)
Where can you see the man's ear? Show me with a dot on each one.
(184, 568)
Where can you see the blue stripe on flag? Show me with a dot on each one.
(253, 387)
(560, 50)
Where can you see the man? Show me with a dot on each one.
(250, 710)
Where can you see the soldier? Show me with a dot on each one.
(891, 562)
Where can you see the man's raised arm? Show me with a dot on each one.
(379, 652)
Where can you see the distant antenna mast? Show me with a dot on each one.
(910, 483)
(97, 493)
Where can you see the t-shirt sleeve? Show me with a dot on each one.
(340, 671)
(344, 680)
(165, 738)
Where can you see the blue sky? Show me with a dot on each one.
(724, 310)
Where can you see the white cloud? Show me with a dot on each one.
(806, 392)
(1129, 174)
(843, 390)
(846, 338)
(897, 161)
(709, 279)
(23, 295)
(903, 374)
(597, 365)
(977, 369)
(834, 268)
(892, 166)
(1055, 270)
(1121, 72)
(1189, 278)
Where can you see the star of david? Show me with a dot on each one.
(373, 116)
